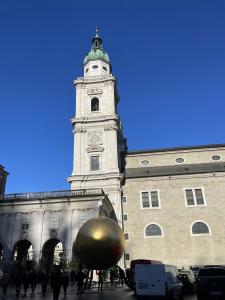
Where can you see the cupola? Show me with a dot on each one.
(96, 62)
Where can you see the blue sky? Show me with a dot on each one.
(168, 56)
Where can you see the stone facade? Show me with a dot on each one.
(202, 168)
(52, 216)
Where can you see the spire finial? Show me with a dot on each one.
(96, 32)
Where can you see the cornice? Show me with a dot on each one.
(101, 79)
(105, 176)
(183, 149)
(104, 118)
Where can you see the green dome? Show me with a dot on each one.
(96, 54)
(96, 51)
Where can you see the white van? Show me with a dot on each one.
(157, 280)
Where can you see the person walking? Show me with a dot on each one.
(33, 280)
(65, 282)
(80, 282)
(73, 277)
(25, 281)
(122, 276)
(44, 277)
(56, 282)
(18, 281)
(100, 280)
(5, 282)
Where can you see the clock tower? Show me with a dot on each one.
(99, 144)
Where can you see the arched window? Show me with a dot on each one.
(94, 104)
(200, 228)
(153, 230)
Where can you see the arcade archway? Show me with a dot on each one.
(52, 253)
(1, 252)
(22, 251)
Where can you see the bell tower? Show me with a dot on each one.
(98, 139)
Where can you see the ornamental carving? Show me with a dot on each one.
(79, 129)
(80, 85)
(108, 83)
(94, 91)
(94, 138)
(111, 127)
(52, 233)
(95, 148)
(24, 234)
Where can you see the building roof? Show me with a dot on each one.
(175, 149)
(185, 169)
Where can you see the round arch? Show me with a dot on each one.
(75, 261)
(199, 227)
(22, 251)
(52, 252)
(1, 252)
(156, 230)
(94, 104)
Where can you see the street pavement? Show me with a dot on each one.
(92, 294)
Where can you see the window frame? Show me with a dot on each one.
(124, 202)
(144, 166)
(150, 199)
(153, 236)
(200, 234)
(215, 160)
(126, 216)
(128, 237)
(193, 191)
(95, 111)
(179, 163)
(127, 256)
(95, 155)
(25, 226)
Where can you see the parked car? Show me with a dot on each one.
(211, 283)
(187, 277)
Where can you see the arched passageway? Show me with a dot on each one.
(75, 261)
(52, 253)
(22, 251)
(1, 252)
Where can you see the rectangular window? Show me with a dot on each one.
(127, 256)
(190, 197)
(124, 199)
(145, 199)
(125, 217)
(150, 199)
(94, 163)
(199, 197)
(126, 236)
(25, 226)
(154, 199)
(194, 197)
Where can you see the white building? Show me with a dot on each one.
(170, 202)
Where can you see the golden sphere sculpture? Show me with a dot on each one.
(100, 243)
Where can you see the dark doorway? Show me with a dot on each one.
(1, 252)
(52, 253)
(22, 251)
